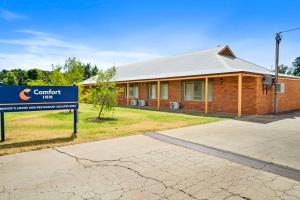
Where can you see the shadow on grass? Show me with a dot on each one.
(37, 142)
(102, 119)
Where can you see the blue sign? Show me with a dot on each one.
(34, 98)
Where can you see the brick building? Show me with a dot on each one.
(211, 80)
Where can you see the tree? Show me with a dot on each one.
(87, 70)
(74, 72)
(3, 74)
(283, 69)
(33, 74)
(104, 93)
(36, 82)
(56, 77)
(21, 76)
(95, 70)
(296, 67)
(10, 79)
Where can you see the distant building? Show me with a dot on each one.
(211, 80)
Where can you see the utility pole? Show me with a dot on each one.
(278, 40)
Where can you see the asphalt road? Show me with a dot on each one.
(135, 167)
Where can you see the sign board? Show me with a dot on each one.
(34, 98)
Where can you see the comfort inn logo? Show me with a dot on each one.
(23, 95)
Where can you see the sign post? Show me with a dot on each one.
(2, 127)
(75, 121)
(37, 98)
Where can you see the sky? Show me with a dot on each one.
(39, 33)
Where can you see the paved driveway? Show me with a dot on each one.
(270, 138)
(135, 167)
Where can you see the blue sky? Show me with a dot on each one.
(38, 33)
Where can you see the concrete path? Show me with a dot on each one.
(135, 167)
(269, 138)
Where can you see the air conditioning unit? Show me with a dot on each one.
(280, 88)
(174, 105)
(141, 102)
(134, 102)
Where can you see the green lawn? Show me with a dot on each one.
(36, 130)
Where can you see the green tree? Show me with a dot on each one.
(283, 69)
(21, 76)
(36, 82)
(104, 92)
(296, 67)
(10, 79)
(56, 77)
(33, 74)
(3, 74)
(74, 72)
(95, 70)
(87, 70)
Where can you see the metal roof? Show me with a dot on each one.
(208, 61)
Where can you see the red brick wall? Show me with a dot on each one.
(224, 96)
(249, 95)
(174, 95)
(264, 100)
(142, 91)
(290, 100)
(122, 94)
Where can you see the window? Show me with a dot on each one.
(134, 91)
(195, 90)
(164, 87)
(188, 87)
(153, 91)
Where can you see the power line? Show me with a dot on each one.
(289, 30)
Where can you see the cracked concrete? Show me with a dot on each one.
(135, 167)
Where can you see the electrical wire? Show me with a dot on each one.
(289, 30)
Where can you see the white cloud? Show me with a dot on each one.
(9, 16)
(42, 50)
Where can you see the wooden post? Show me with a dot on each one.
(240, 80)
(206, 95)
(127, 94)
(158, 94)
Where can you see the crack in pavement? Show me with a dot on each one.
(162, 172)
(101, 163)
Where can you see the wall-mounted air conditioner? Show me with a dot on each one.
(141, 102)
(134, 102)
(280, 87)
(174, 105)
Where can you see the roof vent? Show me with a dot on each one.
(226, 51)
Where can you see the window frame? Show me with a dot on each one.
(136, 90)
(167, 87)
(202, 90)
(150, 91)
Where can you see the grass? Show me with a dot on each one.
(36, 130)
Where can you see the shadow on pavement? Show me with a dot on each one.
(268, 118)
(38, 142)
